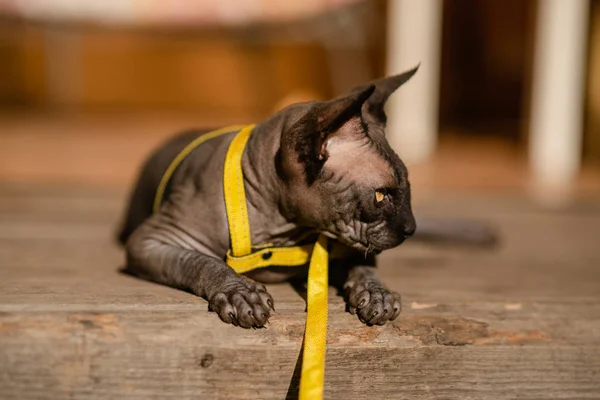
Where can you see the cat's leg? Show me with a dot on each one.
(154, 253)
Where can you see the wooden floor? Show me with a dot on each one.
(521, 321)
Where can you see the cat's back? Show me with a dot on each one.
(153, 169)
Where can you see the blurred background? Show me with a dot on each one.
(500, 125)
(506, 99)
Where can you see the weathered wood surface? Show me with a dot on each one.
(519, 322)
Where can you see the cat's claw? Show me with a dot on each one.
(243, 303)
(373, 303)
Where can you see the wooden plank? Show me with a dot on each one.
(520, 321)
(169, 354)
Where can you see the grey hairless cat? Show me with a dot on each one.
(312, 167)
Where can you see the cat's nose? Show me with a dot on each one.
(409, 230)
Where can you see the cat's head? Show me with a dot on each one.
(340, 174)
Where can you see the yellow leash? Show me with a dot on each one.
(315, 332)
(243, 257)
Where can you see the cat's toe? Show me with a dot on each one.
(374, 304)
(245, 305)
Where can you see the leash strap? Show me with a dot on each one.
(235, 195)
(315, 333)
(286, 256)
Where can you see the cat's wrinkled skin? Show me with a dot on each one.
(313, 167)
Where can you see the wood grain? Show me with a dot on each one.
(518, 322)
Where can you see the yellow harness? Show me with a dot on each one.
(243, 257)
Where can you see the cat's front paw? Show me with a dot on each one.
(374, 304)
(243, 302)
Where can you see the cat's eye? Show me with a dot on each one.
(379, 196)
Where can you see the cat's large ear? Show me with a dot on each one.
(384, 87)
(306, 140)
(331, 115)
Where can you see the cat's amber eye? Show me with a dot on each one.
(379, 196)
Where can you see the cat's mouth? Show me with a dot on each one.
(366, 248)
(361, 246)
